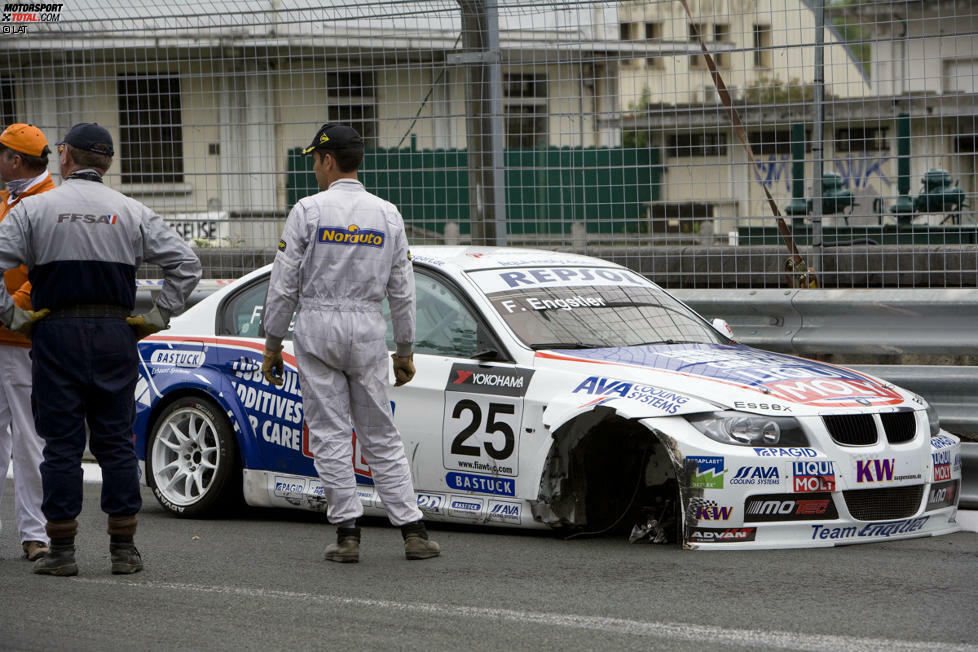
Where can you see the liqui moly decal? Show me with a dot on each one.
(834, 392)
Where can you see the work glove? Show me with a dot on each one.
(403, 369)
(272, 366)
(149, 322)
(22, 321)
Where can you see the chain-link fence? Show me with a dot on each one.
(594, 127)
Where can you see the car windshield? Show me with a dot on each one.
(585, 307)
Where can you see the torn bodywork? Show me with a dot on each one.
(609, 474)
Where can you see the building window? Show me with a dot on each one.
(653, 32)
(351, 98)
(525, 98)
(772, 142)
(861, 139)
(701, 29)
(686, 145)
(721, 36)
(626, 31)
(8, 103)
(151, 129)
(762, 45)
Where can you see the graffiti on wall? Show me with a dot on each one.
(857, 170)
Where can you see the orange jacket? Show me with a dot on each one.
(16, 279)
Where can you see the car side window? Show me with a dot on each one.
(241, 314)
(445, 325)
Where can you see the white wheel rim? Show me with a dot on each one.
(186, 456)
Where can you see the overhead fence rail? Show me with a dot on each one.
(589, 125)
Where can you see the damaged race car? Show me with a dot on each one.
(560, 391)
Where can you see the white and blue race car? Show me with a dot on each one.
(561, 391)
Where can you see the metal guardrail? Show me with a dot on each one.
(856, 322)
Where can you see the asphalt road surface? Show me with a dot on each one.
(256, 581)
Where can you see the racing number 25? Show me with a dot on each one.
(459, 447)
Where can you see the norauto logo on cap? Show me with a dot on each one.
(323, 138)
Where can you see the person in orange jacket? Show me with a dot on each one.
(23, 167)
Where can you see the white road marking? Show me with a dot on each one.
(750, 638)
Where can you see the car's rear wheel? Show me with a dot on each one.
(192, 464)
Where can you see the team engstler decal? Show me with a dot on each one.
(783, 377)
(500, 381)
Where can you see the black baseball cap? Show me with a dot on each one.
(90, 137)
(334, 136)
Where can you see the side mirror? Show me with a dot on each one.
(723, 328)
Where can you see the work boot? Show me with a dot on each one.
(34, 550)
(346, 550)
(416, 543)
(125, 558)
(59, 559)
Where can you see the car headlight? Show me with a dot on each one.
(746, 429)
(934, 420)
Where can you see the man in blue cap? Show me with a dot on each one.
(82, 244)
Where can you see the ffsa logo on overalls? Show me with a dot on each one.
(352, 235)
(87, 219)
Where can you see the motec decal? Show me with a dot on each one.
(500, 381)
(942, 495)
(721, 535)
(809, 476)
(788, 507)
(352, 235)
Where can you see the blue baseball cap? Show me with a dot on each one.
(90, 137)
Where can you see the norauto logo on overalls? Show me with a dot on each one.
(19, 12)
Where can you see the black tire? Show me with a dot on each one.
(192, 462)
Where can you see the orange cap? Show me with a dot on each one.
(26, 139)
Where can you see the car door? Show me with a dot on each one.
(274, 414)
(461, 416)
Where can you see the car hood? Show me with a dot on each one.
(722, 376)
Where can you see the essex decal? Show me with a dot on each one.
(351, 236)
(942, 495)
(809, 477)
(482, 418)
(663, 399)
(706, 472)
(722, 535)
(887, 529)
(789, 507)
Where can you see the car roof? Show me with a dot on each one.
(471, 258)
